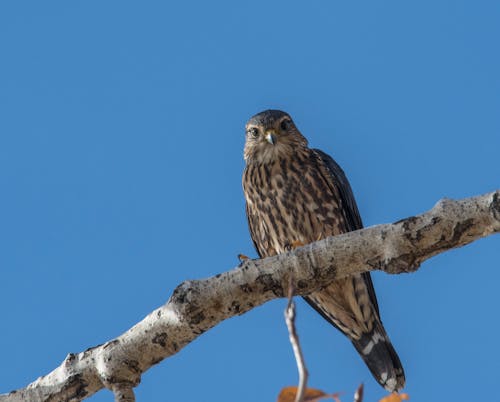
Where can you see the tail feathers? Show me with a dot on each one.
(379, 355)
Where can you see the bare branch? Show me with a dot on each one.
(196, 306)
(297, 350)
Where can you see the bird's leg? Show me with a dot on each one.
(242, 257)
(297, 243)
(293, 245)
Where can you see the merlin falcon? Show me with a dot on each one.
(296, 195)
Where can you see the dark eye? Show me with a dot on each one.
(286, 124)
(253, 132)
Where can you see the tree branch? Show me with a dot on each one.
(196, 306)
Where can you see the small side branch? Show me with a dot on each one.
(358, 395)
(197, 306)
(123, 393)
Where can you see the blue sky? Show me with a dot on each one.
(121, 136)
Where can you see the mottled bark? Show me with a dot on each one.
(196, 306)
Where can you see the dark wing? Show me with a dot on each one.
(351, 211)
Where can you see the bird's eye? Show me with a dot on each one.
(253, 132)
(286, 124)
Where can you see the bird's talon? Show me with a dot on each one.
(293, 245)
(242, 257)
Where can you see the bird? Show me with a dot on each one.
(296, 195)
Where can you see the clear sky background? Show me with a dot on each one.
(121, 136)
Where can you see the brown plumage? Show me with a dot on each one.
(295, 194)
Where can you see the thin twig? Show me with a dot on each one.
(358, 395)
(294, 340)
(123, 393)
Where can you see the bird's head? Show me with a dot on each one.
(271, 135)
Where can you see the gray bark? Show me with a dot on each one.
(196, 306)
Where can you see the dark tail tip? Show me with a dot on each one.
(379, 355)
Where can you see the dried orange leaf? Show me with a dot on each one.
(288, 394)
(395, 397)
(335, 397)
(313, 394)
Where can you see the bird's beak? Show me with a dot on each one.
(271, 137)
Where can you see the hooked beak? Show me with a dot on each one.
(271, 137)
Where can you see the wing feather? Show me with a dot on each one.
(351, 211)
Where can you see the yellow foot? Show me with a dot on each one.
(297, 243)
(294, 245)
(242, 257)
